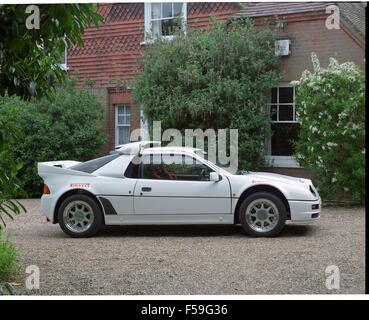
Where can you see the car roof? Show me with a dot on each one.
(171, 148)
(147, 147)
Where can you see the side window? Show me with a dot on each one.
(92, 165)
(133, 170)
(174, 167)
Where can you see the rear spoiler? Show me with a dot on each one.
(135, 148)
(59, 167)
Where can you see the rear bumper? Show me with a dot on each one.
(47, 206)
(305, 211)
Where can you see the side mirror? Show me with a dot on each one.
(213, 176)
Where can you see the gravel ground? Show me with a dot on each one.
(192, 259)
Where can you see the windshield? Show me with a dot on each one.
(242, 172)
(211, 164)
(224, 169)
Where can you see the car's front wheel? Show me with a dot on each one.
(80, 216)
(262, 214)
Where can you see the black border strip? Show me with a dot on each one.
(236, 309)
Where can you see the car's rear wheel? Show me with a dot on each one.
(262, 214)
(80, 216)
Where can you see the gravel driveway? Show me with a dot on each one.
(192, 259)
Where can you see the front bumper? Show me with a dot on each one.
(305, 211)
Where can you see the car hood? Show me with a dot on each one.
(277, 178)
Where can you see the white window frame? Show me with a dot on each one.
(64, 66)
(281, 161)
(148, 34)
(294, 120)
(143, 120)
(117, 125)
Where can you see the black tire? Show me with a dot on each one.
(277, 228)
(97, 216)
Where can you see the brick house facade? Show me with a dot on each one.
(304, 25)
(111, 53)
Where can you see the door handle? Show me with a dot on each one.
(146, 189)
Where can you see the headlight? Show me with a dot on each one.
(312, 190)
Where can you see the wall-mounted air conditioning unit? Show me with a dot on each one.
(282, 47)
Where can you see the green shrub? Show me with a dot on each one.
(9, 265)
(9, 168)
(218, 78)
(68, 125)
(331, 107)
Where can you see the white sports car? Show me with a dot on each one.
(143, 184)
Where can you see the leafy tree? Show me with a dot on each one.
(331, 107)
(29, 59)
(216, 79)
(65, 125)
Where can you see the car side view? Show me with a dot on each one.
(142, 183)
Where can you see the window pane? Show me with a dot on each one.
(123, 110)
(178, 8)
(286, 95)
(286, 112)
(132, 170)
(127, 120)
(92, 165)
(167, 27)
(283, 136)
(156, 28)
(185, 169)
(167, 10)
(123, 115)
(120, 119)
(273, 112)
(274, 95)
(120, 110)
(123, 135)
(155, 10)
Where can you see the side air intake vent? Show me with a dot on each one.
(312, 191)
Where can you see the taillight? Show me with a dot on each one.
(46, 189)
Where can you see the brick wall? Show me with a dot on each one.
(308, 34)
(111, 54)
(312, 36)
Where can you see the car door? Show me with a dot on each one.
(179, 184)
(115, 186)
